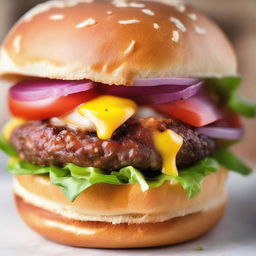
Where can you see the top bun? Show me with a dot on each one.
(114, 42)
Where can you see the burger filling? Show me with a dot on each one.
(132, 144)
(83, 133)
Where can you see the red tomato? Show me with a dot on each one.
(52, 107)
(197, 111)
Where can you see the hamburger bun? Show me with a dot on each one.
(114, 42)
(105, 215)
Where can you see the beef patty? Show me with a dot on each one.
(43, 144)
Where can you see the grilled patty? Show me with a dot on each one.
(43, 144)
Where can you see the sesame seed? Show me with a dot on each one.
(178, 24)
(56, 17)
(125, 22)
(181, 8)
(137, 5)
(199, 30)
(148, 12)
(192, 16)
(156, 26)
(16, 43)
(120, 3)
(86, 23)
(175, 36)
(104, 68)
(109, 12)
(130, 48)
(123, 4)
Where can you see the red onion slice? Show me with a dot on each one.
(32, 90)
(162, 98)
(222, 132)
(148, 95)
(134, 91)
(165, 81)
(146, 91)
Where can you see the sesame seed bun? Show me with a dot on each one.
(115, 42)
(105, 215)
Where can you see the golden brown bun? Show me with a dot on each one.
(111, 202)
(78, 39)
(105, 215)
(107, 235)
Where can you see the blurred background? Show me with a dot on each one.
(236, 17)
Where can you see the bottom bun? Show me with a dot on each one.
(107, 235)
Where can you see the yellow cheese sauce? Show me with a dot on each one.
(107, 113)
(168, 144)
(11, 125)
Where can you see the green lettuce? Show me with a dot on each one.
(190, 178)
(231, 162)
(7, 148)
(227, 89)
(73, 179)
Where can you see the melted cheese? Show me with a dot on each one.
(10, 126)
(168, 144)
(107, 113)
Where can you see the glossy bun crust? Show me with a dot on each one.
(111, 216)
(105, 235)
(116, 41)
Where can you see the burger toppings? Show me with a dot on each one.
(43, 99)
(157, 81)
(107, 113)
(198, 110)
(16, 43)
(127, 22)
(148, 12)
(56, 17)
(40, 89)
(11, 125)
(150, 94)
(86, 23)
(178, 24)
(168, 144)
(90, 133)
(222, 132)
(130, 48)
(175, 36)
(199, 30)
(132, 144)
(192, 16)
(156, 26)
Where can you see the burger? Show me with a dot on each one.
(122, 116)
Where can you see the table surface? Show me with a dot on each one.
(235, 235)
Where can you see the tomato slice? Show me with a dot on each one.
(52, 107)
(197, 111)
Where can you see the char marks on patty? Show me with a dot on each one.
(43, 144)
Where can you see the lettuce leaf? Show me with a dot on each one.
(226, 88)
(191, 178)
(6, 147)
(231, 162)
(73, 179)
